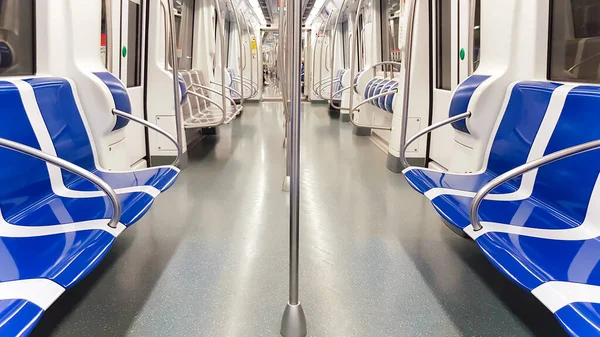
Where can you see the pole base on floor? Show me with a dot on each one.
(286, 184)
(293, 323)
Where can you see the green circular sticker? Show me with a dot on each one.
(124, 51)
(462, 54)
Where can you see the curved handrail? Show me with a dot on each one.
(223, 50)
(579, 64)
(211, 101)
(154, 127)
(321, 51)
(376, 127)
(75, 169)
(407, 70)
(518, 171)
(216, 92)
(241, 66)
(427, 130)
(332, 60)
(472, 8)
(393, 63)
(176, 89)
(244, 82)
(322, 85)
(315, 54)
(335, 94)
(353, 66)
(167, 33)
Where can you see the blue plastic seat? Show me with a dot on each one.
(546, 236)
(377, 86)
(522, 116)
(72, 141)
(45, 238)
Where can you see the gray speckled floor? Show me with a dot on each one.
(210, 258)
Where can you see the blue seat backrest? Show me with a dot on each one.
(462, 98)
(24, 179)
(566, 185)
(64, 122)
(120, 97)
(519, 126)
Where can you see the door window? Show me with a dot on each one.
(17, 43)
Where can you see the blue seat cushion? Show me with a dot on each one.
(71, 140)
(511, 145)
(580, 319)
(18, 317)
(64, 258)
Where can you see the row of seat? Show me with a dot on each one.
(198, 110)
(541, 229)
(338, 85)
(377, 86)
(53, 223)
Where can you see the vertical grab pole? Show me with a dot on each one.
(407, 61)
(337, 22)
(239, 29)
(176, 93)
(223, 52)
(472, 8)
(293, 323)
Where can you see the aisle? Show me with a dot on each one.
(210, 258)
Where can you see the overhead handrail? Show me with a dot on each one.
(239, 30)
(518, 171)
(75, 169)
(154, 127)
(332, 60)
(407, 60)
(427, 130)
(376, 127)
(176, 89)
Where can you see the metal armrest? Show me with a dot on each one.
(237, 80)
(77, 170)
(214, 103)
(216, 92)
(333, 95)
(426, 131)
(376, 127)
(518, 171)
(154, 127)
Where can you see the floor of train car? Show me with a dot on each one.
(211, 256)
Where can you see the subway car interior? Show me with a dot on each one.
(299, 168)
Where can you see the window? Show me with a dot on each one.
(390, 29)
(17, 42)
(184, 28)
(134, 45)
(575, 41)
(444, 44)
(477, 36)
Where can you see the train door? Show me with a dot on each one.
(131, 72)
(451, 28)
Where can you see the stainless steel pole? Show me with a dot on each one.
(176, 92)
(407, 61)
(293, 323)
